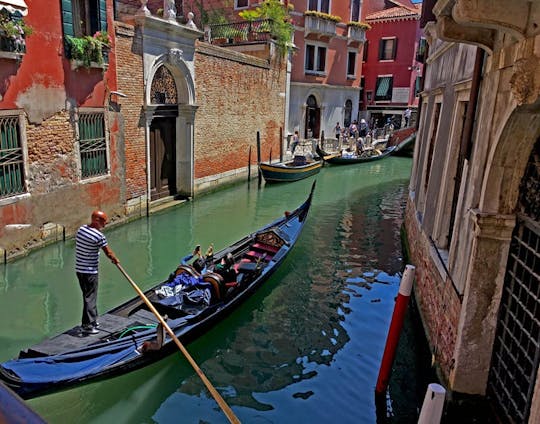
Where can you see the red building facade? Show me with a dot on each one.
(391, 72)
(59, 153)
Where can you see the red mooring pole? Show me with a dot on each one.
(400, 308)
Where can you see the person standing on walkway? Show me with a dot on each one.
(88, 241)
(295, 142)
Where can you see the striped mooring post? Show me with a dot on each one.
(400, 308)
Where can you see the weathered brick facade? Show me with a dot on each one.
(237, 95)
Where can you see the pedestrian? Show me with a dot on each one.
(88, 241)
(363, 128)
(295, 142)
(353, 130)
(337, 131)
(407, 116)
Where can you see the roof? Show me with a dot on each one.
(399, 12)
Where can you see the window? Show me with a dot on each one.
(422, 50)
(417, 86)
(315, 58)
(12, 178)
(238, 4)
(362, 88)
(83, 17)
(365, 51)
(383, 88)
(387, 48)
(355, 10)
(92, 144)
(351, 64)
(319, 5)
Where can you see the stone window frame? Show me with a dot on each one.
(89, 110)
(317, 52)
(355, 64)
(19, 113)
(440, 233)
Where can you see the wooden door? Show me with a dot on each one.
(162, 158)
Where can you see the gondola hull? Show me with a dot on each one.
(337, 159)
(288, 172)
(129, 333)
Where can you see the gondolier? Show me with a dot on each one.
(88, 241)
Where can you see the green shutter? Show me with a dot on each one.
(102, 15)
(67, 17)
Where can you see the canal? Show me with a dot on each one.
(305, 347)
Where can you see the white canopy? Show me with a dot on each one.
(13, 6)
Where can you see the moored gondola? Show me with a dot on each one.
(131, 337)
(296, 169)
(368, 155)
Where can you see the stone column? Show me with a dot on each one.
(480, 306)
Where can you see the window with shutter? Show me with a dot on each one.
(12, 176)
(83, 17)
(387, 48)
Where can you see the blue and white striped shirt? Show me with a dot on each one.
(88, 241)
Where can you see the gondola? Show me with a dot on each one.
(131, 337)
(293, 170)
(366, 156)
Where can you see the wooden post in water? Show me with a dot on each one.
(249, 165)
(259, 156)
(400, 308)
(270, 158)
(280, 144)
(432, 408)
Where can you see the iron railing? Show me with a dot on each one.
(246, 31)
(12, 181)
(92, 145)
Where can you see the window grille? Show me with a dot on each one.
(12, 180)
(92, 144)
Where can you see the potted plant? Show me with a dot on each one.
(322, 15)
(89, 49)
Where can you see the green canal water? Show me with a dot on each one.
(305, 347)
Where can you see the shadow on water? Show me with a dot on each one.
(305, 347)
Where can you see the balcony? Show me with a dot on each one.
(11, 48)
(356, 34)
(319, 26)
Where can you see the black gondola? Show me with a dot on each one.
(129, 335)
(366, 156)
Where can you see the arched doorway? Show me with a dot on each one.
(347, 120)
(313, 118)
(164, 97)
(516, 351)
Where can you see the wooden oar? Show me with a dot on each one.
(223, 405)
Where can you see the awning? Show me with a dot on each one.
(383, 86)
(14, 6)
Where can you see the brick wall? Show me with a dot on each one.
(129, 64)
(237, 95)
(437, 301)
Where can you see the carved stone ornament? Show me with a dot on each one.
(176, 56)
(525, 81)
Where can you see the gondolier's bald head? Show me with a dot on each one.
(99, 218)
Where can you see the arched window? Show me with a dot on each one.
(163, 90)
(348, 113)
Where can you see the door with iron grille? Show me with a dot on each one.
(162, 158)
(516, 350)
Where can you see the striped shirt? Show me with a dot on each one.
(88, 241)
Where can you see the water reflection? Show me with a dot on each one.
(306, 346)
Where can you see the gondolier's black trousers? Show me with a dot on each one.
(89, 288)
